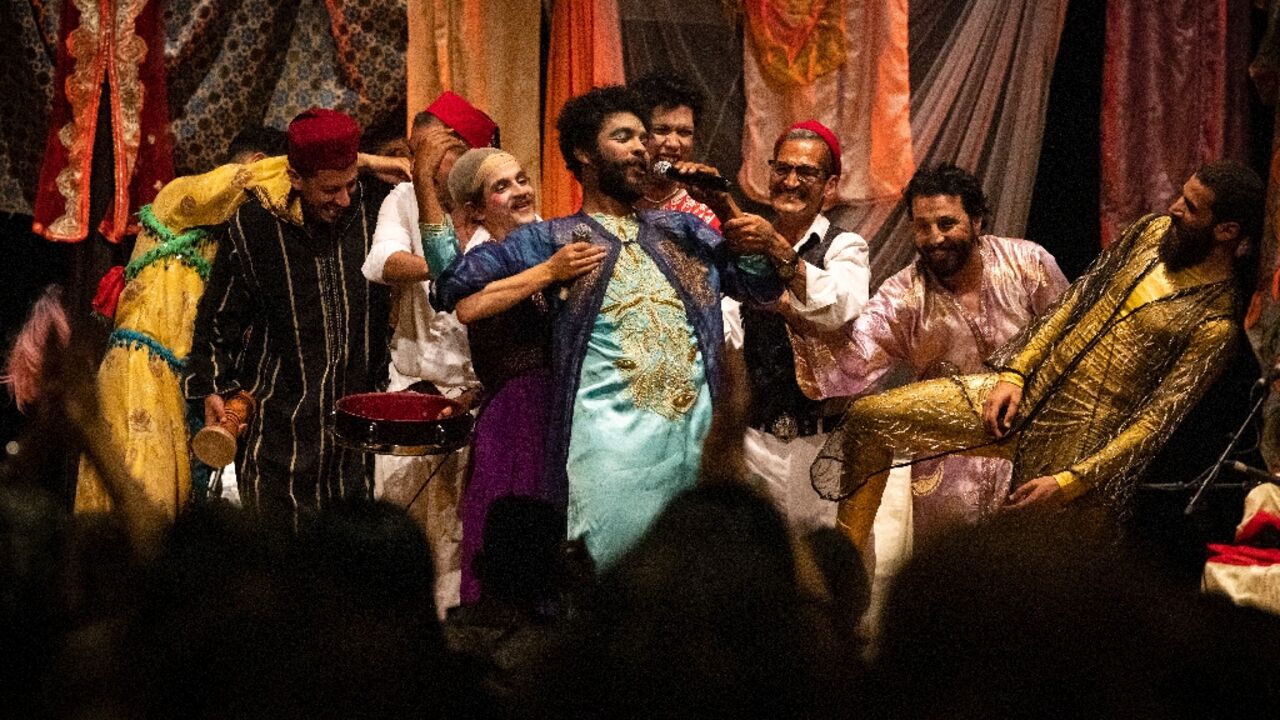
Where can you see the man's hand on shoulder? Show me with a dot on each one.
(388, 169)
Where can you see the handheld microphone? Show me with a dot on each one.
(699, 178)
(580, 233)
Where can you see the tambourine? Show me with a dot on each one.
(215, 445)
(400, 423)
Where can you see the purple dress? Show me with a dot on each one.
(511, 356)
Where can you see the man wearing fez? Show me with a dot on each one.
(637, 340)
(826, 273)
(429, 349)
(290, 268)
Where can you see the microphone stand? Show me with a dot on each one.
(1216, 470)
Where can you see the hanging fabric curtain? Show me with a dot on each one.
(108, 51)
(489, 57)
(796, 41)
(979, 103)
(233, 65)
(586, 52)
(27, 63)
(858, 87)
(1173, 98)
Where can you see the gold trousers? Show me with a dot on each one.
(918, 420)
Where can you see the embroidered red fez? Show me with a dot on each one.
(471, 124)
(321, 139)
(827, 136)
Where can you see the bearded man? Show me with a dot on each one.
(965, 296)
(1085, 396)
(636, 341)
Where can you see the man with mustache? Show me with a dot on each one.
(429, 349)
(1086, 395)
(964, 297)
(636, 341)
(826, 274)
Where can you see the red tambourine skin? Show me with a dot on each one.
(401, 423)
(397, 406)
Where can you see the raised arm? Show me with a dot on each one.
(468, 274)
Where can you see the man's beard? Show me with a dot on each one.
(1181, 247)
(614, 182)
(952, 261)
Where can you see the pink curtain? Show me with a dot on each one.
(1173, 97)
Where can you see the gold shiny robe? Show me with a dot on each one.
(138, 380)
(1105, 385)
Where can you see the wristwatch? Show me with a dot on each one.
(788, 268)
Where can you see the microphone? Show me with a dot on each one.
(698, 178)
(580, 233)
(1253, 473)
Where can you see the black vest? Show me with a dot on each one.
(771, 364)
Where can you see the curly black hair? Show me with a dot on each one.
(582, 117)
(947, 179)
(664, 90)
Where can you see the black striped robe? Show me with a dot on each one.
(288, 316)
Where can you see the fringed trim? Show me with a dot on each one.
(183, 247)
(123, 337)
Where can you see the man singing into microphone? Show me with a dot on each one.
(636, 342)
(672, 108)
(826, 274)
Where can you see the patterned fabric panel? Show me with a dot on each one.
(250, 62)
(26, 84)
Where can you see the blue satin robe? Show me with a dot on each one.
(636, 351)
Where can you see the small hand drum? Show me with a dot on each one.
(215, 445)
(400, 423)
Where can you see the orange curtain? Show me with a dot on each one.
(486, 52)
(586, 52)
(864, 97)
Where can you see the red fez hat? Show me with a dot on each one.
(321, 139)
(467, 120)
(827, 136)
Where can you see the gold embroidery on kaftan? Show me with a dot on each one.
(658, 351)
